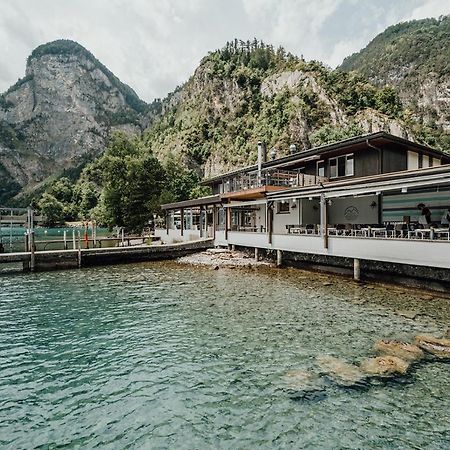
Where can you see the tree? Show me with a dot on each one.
(52, 209)
(133, 180)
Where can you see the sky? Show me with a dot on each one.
(155, 45)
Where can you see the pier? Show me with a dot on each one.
(71, 259)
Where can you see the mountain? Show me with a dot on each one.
(249, 91)
(60, 115)
(414, 57)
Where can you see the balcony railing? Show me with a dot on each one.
(283, 178)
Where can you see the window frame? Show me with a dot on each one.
(346, 157)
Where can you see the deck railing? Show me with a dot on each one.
(286, 178)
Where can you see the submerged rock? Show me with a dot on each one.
(435, 346)
(403, 350)
(340, 371)
(385, 366)
(301, 384)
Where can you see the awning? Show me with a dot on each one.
(251, 203)
(211, 200)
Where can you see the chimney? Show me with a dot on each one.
(292, 149)
(273, 154)
(262, 157)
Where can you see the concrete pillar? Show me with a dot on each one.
(356, 269)
(256, 254)
(233, 247)
(279, 258)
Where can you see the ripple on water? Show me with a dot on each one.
(166, 356)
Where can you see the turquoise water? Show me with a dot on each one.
(167, 356)
(13, 238)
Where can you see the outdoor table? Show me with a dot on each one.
(442, 231)
(378, 230)
(422, 232)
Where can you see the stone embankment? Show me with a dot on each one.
(218, 258)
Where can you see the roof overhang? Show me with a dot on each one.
(210, 200)
(251, 194)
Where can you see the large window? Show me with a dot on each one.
(342, 166)
(320, 168)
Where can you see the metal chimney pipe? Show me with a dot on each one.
(260, 161)
(292, 149)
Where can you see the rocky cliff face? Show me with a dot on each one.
(60, 115)
(415, 58)
(242, 94)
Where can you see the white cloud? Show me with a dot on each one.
(153, 45)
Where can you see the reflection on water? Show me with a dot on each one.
(166, 356)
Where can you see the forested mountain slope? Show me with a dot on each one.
(248, 91)
(414, 57)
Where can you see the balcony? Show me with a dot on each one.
(272, 179)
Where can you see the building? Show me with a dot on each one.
(355, 199)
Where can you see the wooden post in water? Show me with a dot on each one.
(32, 256)
(79, 249)
(73, 239)
(94, 232)
(65, 239)
(123, 237)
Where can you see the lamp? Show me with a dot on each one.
(404, 190)
(373, 204)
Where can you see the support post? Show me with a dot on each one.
(357, 269)
(182, 221)
(214, 221)
(123, 237)
(65, 239)
(256, 254)
(323, 220)
(279, 258)
(227, 221)
(79, 249)
(32, 256)
(73, 239)
(269, 219)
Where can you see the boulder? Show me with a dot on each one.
(340, 371)
(301, 383)
(435, 346)
(403, 350)
(384, 366)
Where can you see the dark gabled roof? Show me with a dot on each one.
(380, 137)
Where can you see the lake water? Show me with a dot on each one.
(161, 355)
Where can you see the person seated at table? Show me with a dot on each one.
(445, 219)
(425, 215)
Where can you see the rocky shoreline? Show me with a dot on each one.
(218, 258)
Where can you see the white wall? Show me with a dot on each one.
(175, 235)
(280, 220)
(403, 251)
(355, 210)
